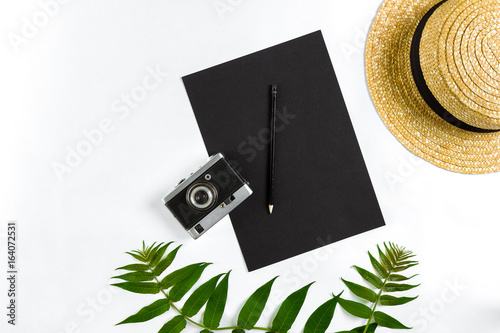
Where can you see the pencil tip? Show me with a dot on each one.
(271, 209)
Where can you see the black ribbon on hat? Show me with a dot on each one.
(422, 86)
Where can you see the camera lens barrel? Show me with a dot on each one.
(201, 196)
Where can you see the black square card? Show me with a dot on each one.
(323, 192)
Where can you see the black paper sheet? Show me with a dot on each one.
(322, 191)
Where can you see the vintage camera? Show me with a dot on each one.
(207, 195)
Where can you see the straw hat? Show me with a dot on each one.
(433, 69)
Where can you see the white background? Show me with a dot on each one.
(64, 78)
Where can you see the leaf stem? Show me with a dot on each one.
(236, 327)
(376, 302)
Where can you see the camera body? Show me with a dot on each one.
(199, 201)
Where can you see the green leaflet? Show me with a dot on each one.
(391, 300)
(137, 256)
(238, 330)
(216, 304)
(396, 277)
(139, 287)
(390, 287)
(251, 311)
(361, 291)
(369, 277)
(175, 325)
(148, 312)
(289, 310)
(385, 261)
(390, 254)
(177, 276)
(361, 329)
(136, 276)
(402, 268)
(152, 252)
(165, 263)
(378, 267)
(155, 258)
(147, 250)
(180, 289)
(387, 321)
(134, 267)
(321, 318)
(355, 308)
(199, 297)
(407, 262)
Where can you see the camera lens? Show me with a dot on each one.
(201, 196)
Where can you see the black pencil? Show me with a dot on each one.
(274, 93)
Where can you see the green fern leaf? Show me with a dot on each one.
(148, 250)
(356, 309)
(383, 258)
(381, 271)
(155, 258)
(216, 304)
(406, 262)
(321, 318)
(199, 297)
(165, 263)
(387, 321)
(391, 287)
(136, 276)
(396, 277)
(369, 277)
(395, 259)
(177, 276)
(389, 253)
(139, 287)
(175, 325)
(403, 268)
(134, 267)
(289, 310)
(251, 311)
(139, 257)
(181, 288)
(148, 312)
(361, 291)
(391, 300)
(153, 252)
(392, 259)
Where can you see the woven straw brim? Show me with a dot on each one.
(460, 61)
(400, 105)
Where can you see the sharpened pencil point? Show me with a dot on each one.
(271, 209)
